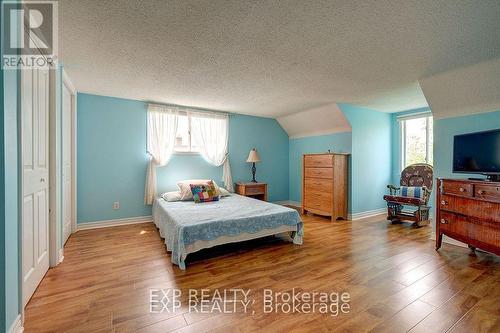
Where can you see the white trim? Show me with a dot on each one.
(289, 203)
(448, 240)
(114, 223)
(184, 110)
(415, 115)
(66, 81)
(54, 195)
(368, 213)
(61, 256)
(17, 326)
(402, 136)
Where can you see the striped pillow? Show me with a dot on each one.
(412, 192)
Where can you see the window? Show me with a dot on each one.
(183, 139)
(416, 140)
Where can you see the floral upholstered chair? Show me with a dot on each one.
(410, 200)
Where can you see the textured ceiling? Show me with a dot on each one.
(322, 120)
(272, 58)
(467, 90)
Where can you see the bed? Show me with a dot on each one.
(188, 227)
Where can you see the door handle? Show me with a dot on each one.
(443, 221)
(444, 202)
(42, 180)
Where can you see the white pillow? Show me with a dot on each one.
(185, 189)
(223, 192)
(172, 196)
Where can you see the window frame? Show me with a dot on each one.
(190, 150)
(402, 137)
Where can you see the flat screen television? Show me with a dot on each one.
(478, 153)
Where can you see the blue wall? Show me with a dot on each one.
(338, 142)
(245, 132)
(446, 129)
(112, 157)
(371, 159)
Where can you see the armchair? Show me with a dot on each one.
(410, 200)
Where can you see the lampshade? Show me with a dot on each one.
(253, 156)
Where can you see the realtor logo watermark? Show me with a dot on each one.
(244, 301)
(29, 34)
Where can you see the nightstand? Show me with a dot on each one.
(254, 190)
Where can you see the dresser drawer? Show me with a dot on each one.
(318, 202)
(470, 206)
(325, 173)
(483, 231)
(318, 185)
(487, 192)
(458, 188)
(450, 222)
(255, 189)
(321, 161)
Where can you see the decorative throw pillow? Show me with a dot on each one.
(204, 192)
(412, 191)
(185, 187)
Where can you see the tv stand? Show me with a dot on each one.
(469, 211)
(493, 178)
(489, 178)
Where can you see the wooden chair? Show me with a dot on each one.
(409, 202)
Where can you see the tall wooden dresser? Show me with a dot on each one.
(469, 211)
(325, 184)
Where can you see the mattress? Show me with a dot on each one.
(188, 227)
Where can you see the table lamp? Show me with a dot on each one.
(253, 157)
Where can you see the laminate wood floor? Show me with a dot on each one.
(397, 282)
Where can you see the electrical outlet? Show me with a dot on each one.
(116, 205)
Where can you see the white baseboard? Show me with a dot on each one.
(368, 213)
(17, 326)
(61, 256)
(448, 240)
(114, 223)
(289, 203)
(356, 216)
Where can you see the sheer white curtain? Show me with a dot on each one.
(161, 131)
(210, 132)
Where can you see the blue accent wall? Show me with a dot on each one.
(337, 142)
(112, 159)
(445, 130)
(371, 159)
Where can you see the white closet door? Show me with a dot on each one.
(67, 212)
(35, 162)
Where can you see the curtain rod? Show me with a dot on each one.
(189, 108)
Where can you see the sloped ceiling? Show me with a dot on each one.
(272, 58)
(467, 90)
(326, 119)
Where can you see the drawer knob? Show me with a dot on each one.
(481, 192)
(462, 189)
(444, 202)
(443, 221)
